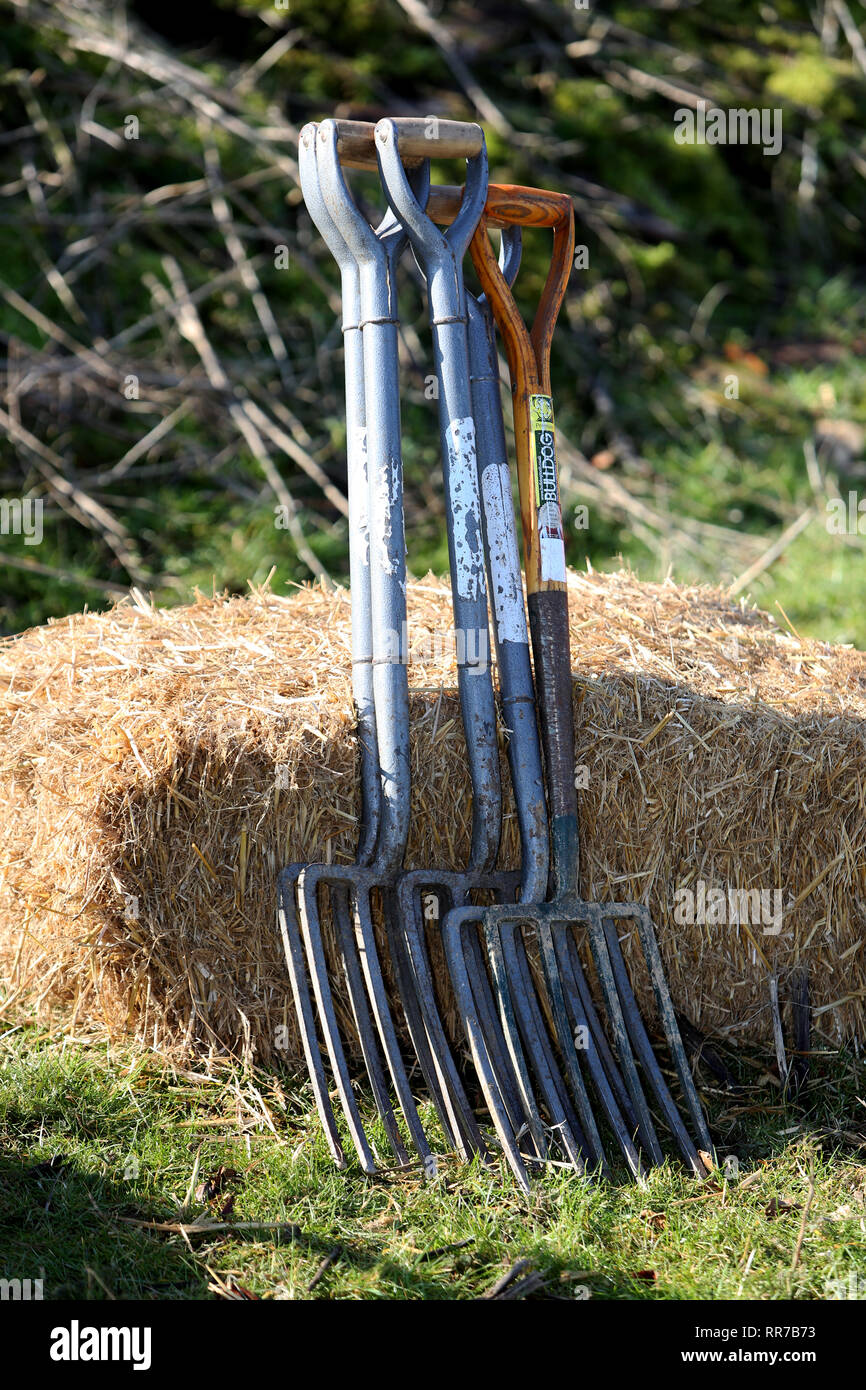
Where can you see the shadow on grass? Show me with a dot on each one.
(64, 1225)
(79, 1233)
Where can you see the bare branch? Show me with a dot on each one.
(74, 499)
(191, 327)
(449, 48)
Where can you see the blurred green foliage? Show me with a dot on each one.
(707, 265)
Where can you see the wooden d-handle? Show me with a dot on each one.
(356, 145)
(508, 205)
(427, 137)
(511, 205)
(418, 138)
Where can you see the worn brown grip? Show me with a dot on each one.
(418, 139)
(356, 145)
(426, 137)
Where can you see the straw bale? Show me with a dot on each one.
(158, 767)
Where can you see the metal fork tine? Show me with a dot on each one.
(568, 1048)
(583, 1009)
(604, 1073)
(294, 952)
(346, 940)
(622, 1042)
(308, 914)
(443, 1079)
(563, 1120)
(452, 942)
(668, 1017)
(643, 1047)
(502, 1037)
(385, 1024)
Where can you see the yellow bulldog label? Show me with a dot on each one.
(545, 481)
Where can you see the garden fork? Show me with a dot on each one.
(377, 561)
(506, 952)
(544, 554)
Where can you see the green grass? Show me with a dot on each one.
(96, 1141)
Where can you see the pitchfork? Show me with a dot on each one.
(507, 953)
(377, 561)
(544, 553)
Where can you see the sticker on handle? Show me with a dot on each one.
(551, 540)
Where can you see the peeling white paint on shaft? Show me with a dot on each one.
(384, 486)
(358, 462)
(504, 555)
(465, 508)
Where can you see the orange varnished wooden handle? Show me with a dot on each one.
(555, 286)
(511, 205)
(528, 354)
(525, 383)
(508, 205)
